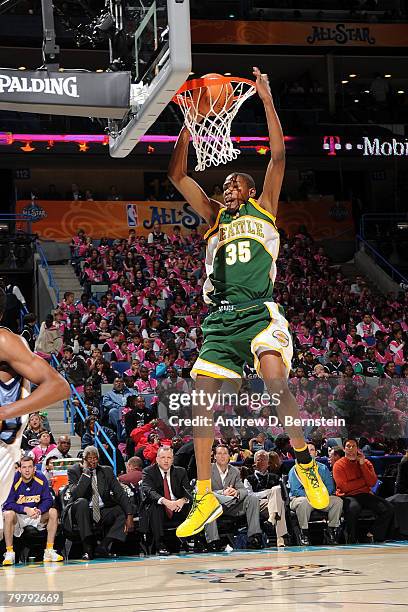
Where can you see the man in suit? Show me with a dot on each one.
(97, 500)
(166, 491)
(230, 491)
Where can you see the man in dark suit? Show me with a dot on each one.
(166, 496)
(97, 501)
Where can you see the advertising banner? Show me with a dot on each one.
(307, 34)
(83, 94)
(60, 220)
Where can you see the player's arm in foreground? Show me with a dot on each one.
(269, 198)
(193, 193)
(51, 386)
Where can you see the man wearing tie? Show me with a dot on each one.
(166, 491)
(97, 501)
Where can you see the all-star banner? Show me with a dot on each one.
(85, 94)
(60, 220)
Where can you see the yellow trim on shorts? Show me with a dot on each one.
(262, 210)
(268, 326)
(215, 226)
(208, 374)
(217, 365)
(256, 343)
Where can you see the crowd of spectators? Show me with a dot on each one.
(135, 333)
(138, 324)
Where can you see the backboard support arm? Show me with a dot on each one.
(50, 49)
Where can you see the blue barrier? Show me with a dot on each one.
(82, 410)
(99, 444)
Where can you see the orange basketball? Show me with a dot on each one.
(218, 96)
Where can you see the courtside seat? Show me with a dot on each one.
(318, 521)
(32, 541)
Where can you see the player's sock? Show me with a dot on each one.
(203, 487)
(50, 545)
(302, 455)
(9, 549)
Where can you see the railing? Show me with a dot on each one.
(44, 264)
(71, 409)
(81, 409)
(99, 444)
(382, 262)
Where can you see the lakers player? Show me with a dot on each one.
(18, 368)
(244, 324)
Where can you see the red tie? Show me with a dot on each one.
(167, 495)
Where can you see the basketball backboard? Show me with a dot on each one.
(162, 55)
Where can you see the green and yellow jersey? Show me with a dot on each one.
(242, 249)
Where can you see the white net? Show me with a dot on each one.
(211, 130)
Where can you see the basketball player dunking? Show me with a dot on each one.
(244, 324)
(18, 368)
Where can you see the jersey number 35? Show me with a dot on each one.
(240, 251)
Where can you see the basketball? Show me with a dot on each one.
(217, 96)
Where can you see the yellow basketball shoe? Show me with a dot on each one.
(314, 487)
(205, 509)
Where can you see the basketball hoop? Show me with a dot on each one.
(209, 106)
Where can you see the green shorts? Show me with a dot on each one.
(233, 338)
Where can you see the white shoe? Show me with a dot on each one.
(51, 555)
(9, 558)
(280, 542)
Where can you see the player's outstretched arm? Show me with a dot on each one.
(51, 386)
(177, 173)
(269, 198)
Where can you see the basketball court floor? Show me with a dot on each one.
(360, 577)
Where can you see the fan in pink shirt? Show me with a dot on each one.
(67, 304)
(145, 384)
(134, 369)
(304, 338)
(121, 352)
(317, 349)
(382, 353)
(396, 348)
(44, 447)
(83, 305)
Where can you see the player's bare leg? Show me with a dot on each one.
(275, 376)
(205, 508)
(10, 520)
(50, 519)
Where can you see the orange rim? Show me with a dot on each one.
(203, 82)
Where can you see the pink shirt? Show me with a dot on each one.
(38, 453)
(146, 386)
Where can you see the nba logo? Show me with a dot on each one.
(132, 215)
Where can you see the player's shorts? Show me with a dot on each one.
(23, 521)
(240, 335)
